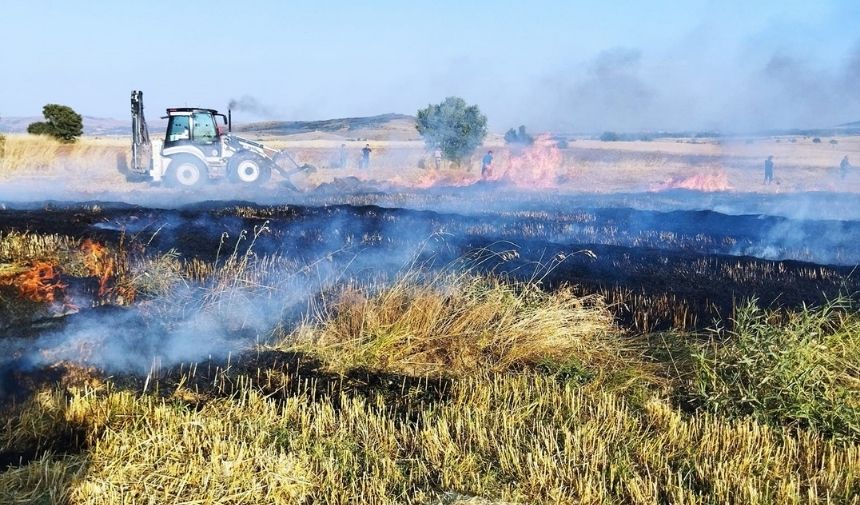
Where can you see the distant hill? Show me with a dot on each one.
(382, 127)
(92, 125)
(16, 124)
(854, 124)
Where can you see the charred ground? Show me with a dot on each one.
(678, 269)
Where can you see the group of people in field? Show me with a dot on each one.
(486, 162)
(844, 166)
(363, 161)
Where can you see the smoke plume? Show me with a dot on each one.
(698, 88)
(251, 105)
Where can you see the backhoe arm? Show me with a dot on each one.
(141, 147)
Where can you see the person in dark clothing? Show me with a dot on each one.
(768, 170)
(487, 164)
(843, 167)
(365, 156)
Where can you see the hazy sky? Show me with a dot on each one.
(563, 65)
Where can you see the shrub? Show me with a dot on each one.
(833, 142)
(518, 136)
(707, 135)
(458, 129)
(459, 327)
(61, 122)
(798, 368)
(610, 137)
(816, 140)
(2, 145)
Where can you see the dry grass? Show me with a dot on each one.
(23, 247)
(30, 152)
(45, 155)
(525, 438)
(461, 326)
(20, 249)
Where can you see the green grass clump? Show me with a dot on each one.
(798, 368)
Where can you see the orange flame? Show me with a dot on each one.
(540, 165)
(716, 180)
(433, 178)
(38, 284)
(536, 166)
(99, 263)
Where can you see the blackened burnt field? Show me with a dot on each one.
(658, 270)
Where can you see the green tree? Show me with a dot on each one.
(458, 129)
(61, 122)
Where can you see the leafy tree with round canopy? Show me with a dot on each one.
(453, 126)
(61, 122)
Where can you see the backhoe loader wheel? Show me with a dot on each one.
(248, 168)
(186, 172)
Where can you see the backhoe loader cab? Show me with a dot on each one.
(194, 127)
(198, 146)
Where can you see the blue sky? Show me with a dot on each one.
(562, 65)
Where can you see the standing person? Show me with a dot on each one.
(342, 160)
(365, 156)
(768, 170)
(487, 165)
(437, 157)
(844, 166)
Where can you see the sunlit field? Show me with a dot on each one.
(729, 164)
